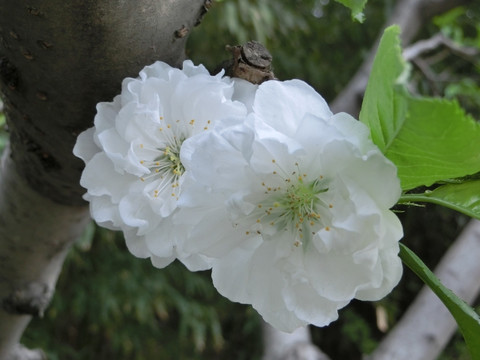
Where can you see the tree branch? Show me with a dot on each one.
(57, 60)
(427, 326)
(295, 346)
(35, 235)
(410, 15)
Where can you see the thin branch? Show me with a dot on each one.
(410, 15)
(424, 46)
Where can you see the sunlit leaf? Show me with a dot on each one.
(428, 139)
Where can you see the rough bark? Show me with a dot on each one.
(57, 60)
(427, 326)
(35, 235)
(410, 15)
(60, 58)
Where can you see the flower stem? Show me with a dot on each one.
(414, 198)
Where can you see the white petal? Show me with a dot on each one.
(100, 178)
(136, 244)
(161, 262)
(309, 306)
(85, 148)
(283, 104)
(244, 92)
(160, 241)
(104, 212)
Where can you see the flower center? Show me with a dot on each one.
(300, 202)
(166, 167)
(297, 208)
(171, 155)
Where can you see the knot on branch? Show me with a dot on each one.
(29, 299)
(251, 62)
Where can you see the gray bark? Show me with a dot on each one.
(57, 60)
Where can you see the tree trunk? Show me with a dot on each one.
(57, 60)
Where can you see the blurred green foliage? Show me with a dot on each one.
(110, 305)
(449, 72)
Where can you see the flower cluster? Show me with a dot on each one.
(287, 203)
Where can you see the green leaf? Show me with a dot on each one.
(428, 139)
(467, 319)
(356, 6)
(383, 109)
(464, 197)
(437, 141)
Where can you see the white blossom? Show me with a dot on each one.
(293, 204)
(133, 173)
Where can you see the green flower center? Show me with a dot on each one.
(298, 208)
(167, 167)
(300, 202)
(171, 157)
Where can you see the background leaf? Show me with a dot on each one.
(428, 139)
(356, 6)
(467, 319)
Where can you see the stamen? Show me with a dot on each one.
(296, 205)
